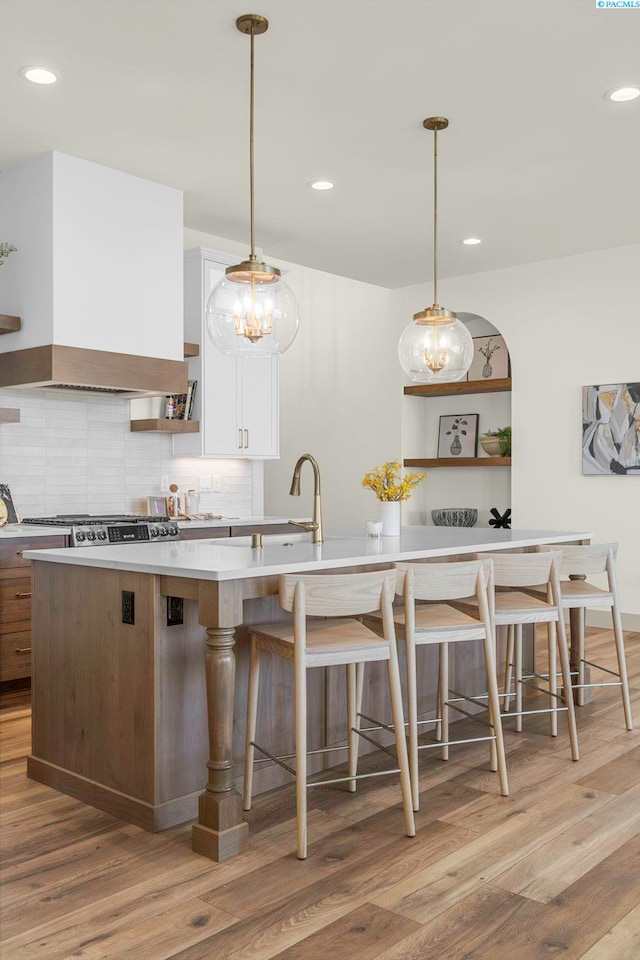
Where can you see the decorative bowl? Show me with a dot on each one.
(491, 445)
(454, 516)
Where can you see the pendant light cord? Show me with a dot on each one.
(251, 201)
(435, 217)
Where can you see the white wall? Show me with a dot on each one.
(567, 323)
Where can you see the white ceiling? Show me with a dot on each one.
(535, 161)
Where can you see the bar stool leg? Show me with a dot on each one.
(565, 669)
(352, 737)
(301, 758)
(581, 620)
(412, 717)
(444, 696)
(438, 726)
(395, 690)
(553, 678)
(508, 668)
(518, 675)
(622, 665)
(494, 717)
(252, 715)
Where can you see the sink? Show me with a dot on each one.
(268, 540)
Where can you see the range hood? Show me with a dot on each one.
(96, 280)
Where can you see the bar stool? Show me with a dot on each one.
(440, 624)
(517, 606)
(327, 643)
(577, 594)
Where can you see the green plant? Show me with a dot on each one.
(5, 250)
(504, 436)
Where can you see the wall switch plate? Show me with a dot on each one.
(205, 484)
(217, 483)
(164, 483)
(128, 607)
(175, 611)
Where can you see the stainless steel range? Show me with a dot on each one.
(88, 531)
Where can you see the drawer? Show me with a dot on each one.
(248, 529)
(204, 533)
(15, 654)
(15, 600)
(11, 551)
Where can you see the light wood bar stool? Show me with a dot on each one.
(322, 644)
(440, 624)
(515, 607)
(578, 563)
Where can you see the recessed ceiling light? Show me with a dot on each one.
(39, 74)
(622, 94)
(471, 241)
(321, 185)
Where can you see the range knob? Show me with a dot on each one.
(173, 530)
(163, 531)
(91, 535)
(102, 534)
(80, 536)
(154, 530)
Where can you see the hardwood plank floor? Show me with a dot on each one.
(551, 870)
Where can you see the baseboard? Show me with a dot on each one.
(602, 618)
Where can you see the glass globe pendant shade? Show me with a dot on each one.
(252, 313)
(436, 352)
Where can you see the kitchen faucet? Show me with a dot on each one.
(315, 526)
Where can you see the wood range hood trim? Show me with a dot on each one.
(75, 368)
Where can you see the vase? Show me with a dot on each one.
(390, 516)
(456, 446)
(487, 370)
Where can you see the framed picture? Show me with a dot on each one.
(157, 507)
(458, 436)
(8, 513)
(490, 359)
(611, 430)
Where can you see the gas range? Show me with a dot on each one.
(119, 528)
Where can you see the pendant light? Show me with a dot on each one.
(436, 347)
(251, 311)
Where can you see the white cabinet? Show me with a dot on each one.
(236, 397)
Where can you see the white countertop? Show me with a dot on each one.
(30, 530)
(234, 559)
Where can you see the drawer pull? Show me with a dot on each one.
(23, 596)
(19, 553)
(23, 649)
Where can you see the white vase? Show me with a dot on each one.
(390, 516)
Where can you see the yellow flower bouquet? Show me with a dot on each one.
(387, 484)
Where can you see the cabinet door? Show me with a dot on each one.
(259, 395)
(220, 406)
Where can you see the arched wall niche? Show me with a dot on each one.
(479, 487)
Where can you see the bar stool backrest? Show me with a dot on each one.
(587, 560)
(443, 581)
(524, 569)
(339, 595)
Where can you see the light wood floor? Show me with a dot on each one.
(552, 871)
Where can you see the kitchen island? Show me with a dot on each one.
(130, 706)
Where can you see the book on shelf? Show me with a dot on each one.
(179, 406)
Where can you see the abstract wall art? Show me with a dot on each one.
(611, 429)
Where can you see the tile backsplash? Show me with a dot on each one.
(76, 454)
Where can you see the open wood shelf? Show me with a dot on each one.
(191, 350)
(9, 324)
(165, 426)
(460, 462)
(502, 385)
(9, 415)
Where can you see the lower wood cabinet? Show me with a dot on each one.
(15, 604)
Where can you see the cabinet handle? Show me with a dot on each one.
(23, 596)
(246, 438)
(239, 438)
(19, 553)
(23, 649)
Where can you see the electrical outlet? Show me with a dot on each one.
(217, 484)
(164, 483)
(205, 484)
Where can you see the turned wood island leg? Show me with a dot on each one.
(220, 832)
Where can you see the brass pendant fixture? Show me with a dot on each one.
(436, 347)
(252, 311)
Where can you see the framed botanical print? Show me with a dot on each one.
(458, 436)
(490, 359)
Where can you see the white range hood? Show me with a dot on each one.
(96, 279)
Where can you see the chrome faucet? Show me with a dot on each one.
(315, 526)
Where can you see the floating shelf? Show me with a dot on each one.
(165, 426)
(502, 385)
(9, 415)
(191, 350)
(9, 324)
(460, 462)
